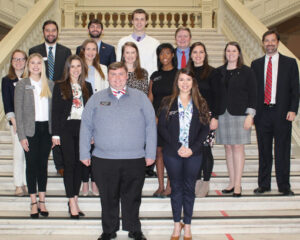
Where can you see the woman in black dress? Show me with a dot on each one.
(160, 86)
(204, 74)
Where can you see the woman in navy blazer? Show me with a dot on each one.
(70, 94)
(183, 124)
(236, 103)
(15, 72)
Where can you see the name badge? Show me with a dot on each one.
(45, 58)
(105, 103)
(173, 112)
(29, 87)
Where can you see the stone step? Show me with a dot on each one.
(55, 185)
(153, 229)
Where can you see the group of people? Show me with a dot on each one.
(157, 105)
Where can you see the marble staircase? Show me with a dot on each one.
(215, 217)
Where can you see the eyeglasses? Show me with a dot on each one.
(18, 59)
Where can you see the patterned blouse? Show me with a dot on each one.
(185, 117)
(77, 104)
(140, 84)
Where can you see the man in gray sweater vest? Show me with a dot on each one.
(121, 121)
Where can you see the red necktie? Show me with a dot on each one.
(183, 60)
(268, 87)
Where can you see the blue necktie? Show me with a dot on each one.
(50, 63)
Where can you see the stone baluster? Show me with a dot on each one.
(173, 22)
(126, 21)
(188, 20)
(166, 21)
(119, 22)
(207, 6)
(69, 9)
(180, 21)
(80, 22)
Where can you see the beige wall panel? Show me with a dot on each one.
(270, 6)
(138, 3)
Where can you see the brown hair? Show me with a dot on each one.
(197, 99)
(240, 60)
(206, 68)
(139, 72)
(139, 10)
(181, 28)
(116, 66)
(65, 82)
(11, 71)
(269, 32)
(95, 60)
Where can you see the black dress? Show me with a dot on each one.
(162, 86)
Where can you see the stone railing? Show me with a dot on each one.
(12, 11)
(239, 24)
(159, 17)
(25, 34)
(271, 12)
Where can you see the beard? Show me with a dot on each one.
(50, 41)
(95, 35)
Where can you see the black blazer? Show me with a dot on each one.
(168, 128)
(61, 108)
(8, 92)
(61, 55)
(287, 93)
(240, 94)
(107, 53)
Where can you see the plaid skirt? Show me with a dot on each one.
(231, 130)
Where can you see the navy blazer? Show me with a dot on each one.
(168, 128)
(106, 52)
(61, 109)
(61, 55)
(240, 94)
(8, 92)
(287, 94)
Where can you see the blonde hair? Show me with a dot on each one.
(46, 92)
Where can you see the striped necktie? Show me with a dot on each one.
(268, 87)
(50, 63)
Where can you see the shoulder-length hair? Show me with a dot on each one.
(158, 51)
(46, 92)
(95, 60)
(65, 82)
(139, 72)
(197, 99)
(206, 68)
(240, 60)
(11, 71)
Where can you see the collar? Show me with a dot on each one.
(53, 47)
(274, 57)
(138, 38)
(186, 51)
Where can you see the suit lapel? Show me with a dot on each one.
(279, 74)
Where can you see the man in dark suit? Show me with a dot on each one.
(55, 56)
(106, 51)
(278, 99)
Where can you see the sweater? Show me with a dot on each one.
(122, 128)
(147, 51)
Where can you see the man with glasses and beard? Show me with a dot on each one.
(106, 52)
(54, 56)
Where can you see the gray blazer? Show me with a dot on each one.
(25, 109)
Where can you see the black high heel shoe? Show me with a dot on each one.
(72, 216)
(34, 215)
(237, 194)
(228, 190)
(43, 213)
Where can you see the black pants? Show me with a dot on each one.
(269, 127)
(72, 166)
(87, 171)
(37, 158)
(121, 179)
(207, 164)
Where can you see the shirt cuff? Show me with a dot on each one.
(56, 137)
(251, 111)
(10, 115)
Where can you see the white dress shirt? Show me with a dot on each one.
(40, 104)
(53, 49)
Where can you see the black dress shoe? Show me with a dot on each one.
(237, 194)
(81, 214)
(287, 192)
(107, 236)
(228, 190)
(260, 190)
(34, 215)
(72, 216)
(137, 235)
